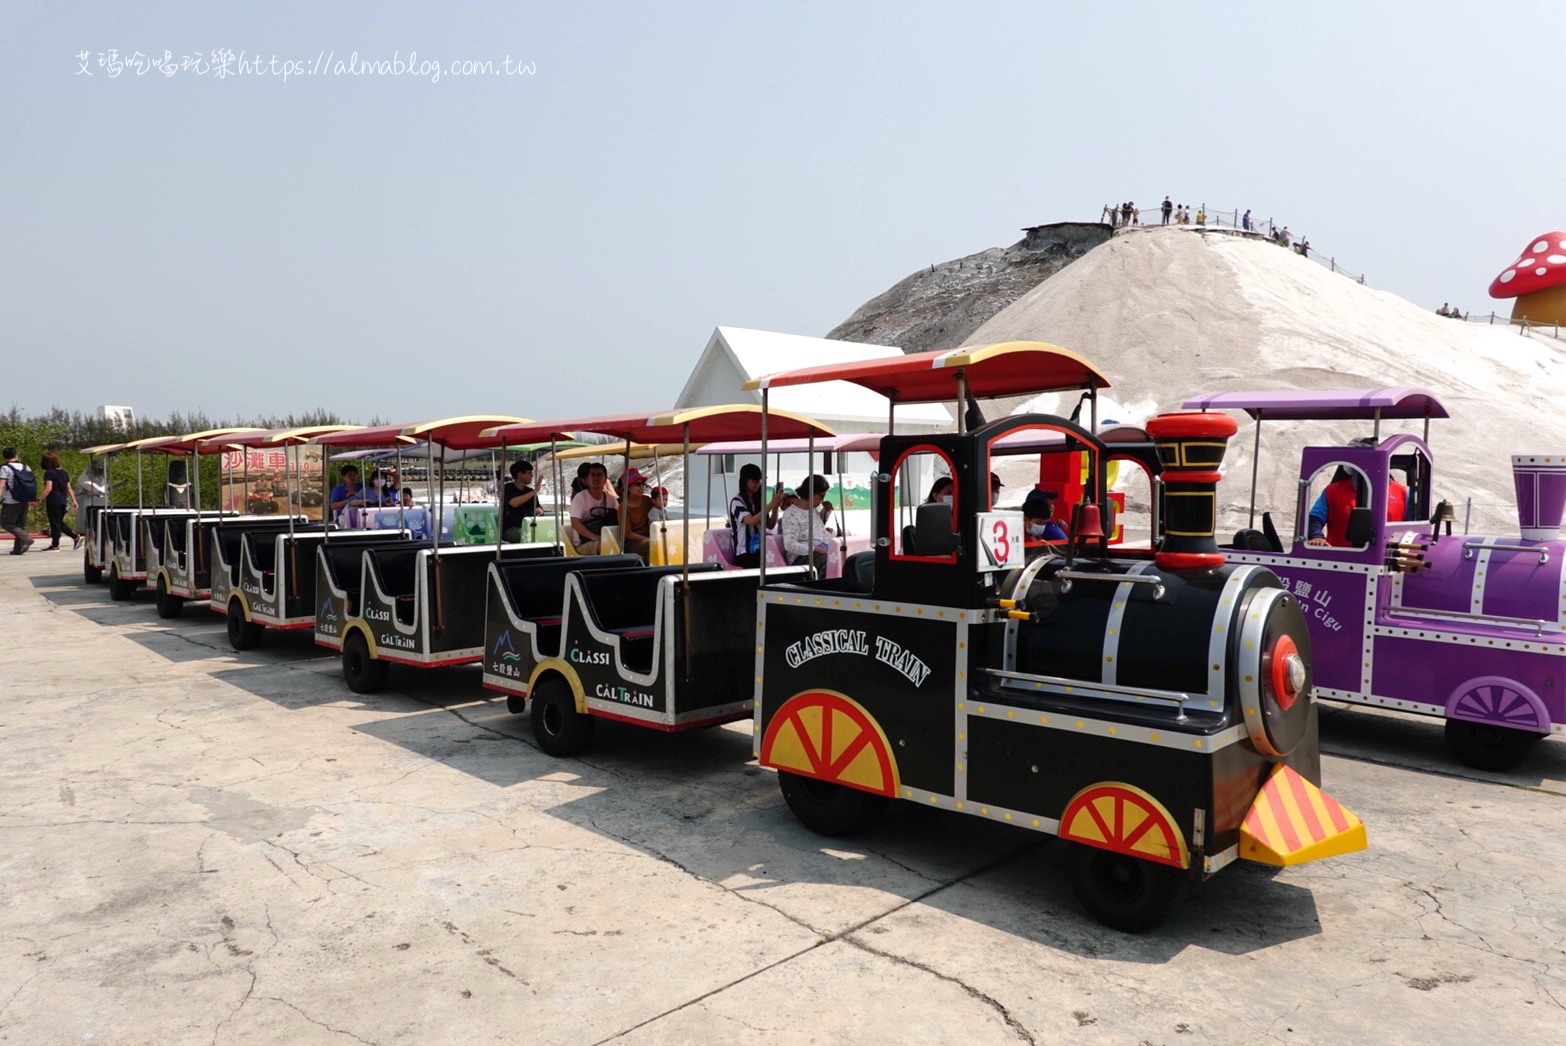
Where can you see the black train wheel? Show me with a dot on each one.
(830, 809)
(558, 727)
(363, 674)
(1124, 893)
(1486, 746)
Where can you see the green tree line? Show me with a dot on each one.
(66, 433)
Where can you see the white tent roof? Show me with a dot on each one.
(753, 353)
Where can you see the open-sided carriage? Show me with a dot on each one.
(129, 543)
(384, 601)
(1468, 628)
(260, 569)
(1153, 709)
(605, 637)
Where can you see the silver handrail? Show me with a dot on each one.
(1469, 546)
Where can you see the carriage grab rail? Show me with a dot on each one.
(1171, 697)
(1066, 577)
(1469, 546)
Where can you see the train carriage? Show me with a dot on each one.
(1154, 710)
(1468, 628)
(414, 604)
(128, 543)
(605, 637)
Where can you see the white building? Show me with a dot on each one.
(735, 355)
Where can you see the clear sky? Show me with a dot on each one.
(564, 240)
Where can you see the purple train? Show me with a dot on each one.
(1405, 614)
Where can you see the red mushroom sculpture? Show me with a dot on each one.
(1537, 279)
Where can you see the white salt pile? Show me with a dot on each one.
(1171, 313)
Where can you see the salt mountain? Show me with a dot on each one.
(1168, 313)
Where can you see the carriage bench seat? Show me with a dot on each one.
(535, 589)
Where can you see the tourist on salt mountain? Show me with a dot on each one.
(1444, 310)
(1167, 208)
(1125, 213)
(1245, 222)
(1201, 215)
(1136, 215)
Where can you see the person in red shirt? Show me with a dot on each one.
(1329, 516)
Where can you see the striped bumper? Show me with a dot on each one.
(1292, 821)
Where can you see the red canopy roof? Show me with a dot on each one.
(190, 443)
(1013, 368)
(729, 421)
(272, 437)
(462, 433)
(367, 436)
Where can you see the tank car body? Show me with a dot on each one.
(1409, 616)
(1155, 710)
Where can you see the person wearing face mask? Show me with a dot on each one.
(1038, 510)
(940, 491)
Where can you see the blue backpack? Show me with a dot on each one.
(23, 485)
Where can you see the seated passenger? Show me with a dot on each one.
(1039, 526)
(1329, 515)
(595, 508)
(804, 539)
(940, 490)
(391, 486)
(347, 498)
(406, 498)
(660, 502)
(749, 518)
(518, 501)
(637, 536)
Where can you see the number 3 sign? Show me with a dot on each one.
(1000, 540)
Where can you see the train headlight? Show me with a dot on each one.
(1288, 672)
(1274, 678)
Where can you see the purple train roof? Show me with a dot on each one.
(1326, 404)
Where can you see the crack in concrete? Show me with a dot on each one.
(1015, 1025)
(318, 1024)
(823, 939)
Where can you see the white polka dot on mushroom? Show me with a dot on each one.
(1523, 263)
(1541, 246)
(1506, 277)
(1556, 259)
(1540, 271)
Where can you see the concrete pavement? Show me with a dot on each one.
(209, 847)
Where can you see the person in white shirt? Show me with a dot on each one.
(804, 537)
(593, 509)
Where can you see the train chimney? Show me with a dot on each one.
(1190, 449)
(1541, 494)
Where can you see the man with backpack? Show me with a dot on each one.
(18, 489)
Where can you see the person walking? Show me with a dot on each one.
(1125, 214)
(57, 495)
(1167, 208)
(18, 488)
(1245, 222)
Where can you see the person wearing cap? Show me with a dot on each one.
(518, 501)
(1038, 510)
(995, 489)
(637, 537)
